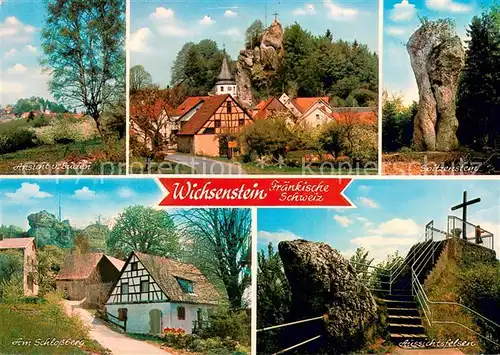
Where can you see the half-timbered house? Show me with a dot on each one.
(219, 115)
(154, 293)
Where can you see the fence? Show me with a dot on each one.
(116, 321)
(457, 226)
(324, 317)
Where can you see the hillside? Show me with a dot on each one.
(464, 273)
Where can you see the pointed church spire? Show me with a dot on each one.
(225, 73)
(225, 82)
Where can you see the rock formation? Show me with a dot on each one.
(437, 58)
(256, 66)
(323, 282)
(48, 230)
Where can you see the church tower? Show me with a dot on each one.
(225, 82)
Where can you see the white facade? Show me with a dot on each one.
(139, 318)
(138, 293)
(222, 89)
(317, 115)
(287, 101)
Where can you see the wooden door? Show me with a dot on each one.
(155, 321)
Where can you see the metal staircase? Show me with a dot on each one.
(400, 288)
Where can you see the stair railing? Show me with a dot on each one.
(456, 229)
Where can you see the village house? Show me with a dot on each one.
(150, 122)
(28, 248)
(218, 115)
(154, 293)
(88, 276)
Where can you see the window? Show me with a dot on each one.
(229, 88)
(186, 285)
(209, 130)
(317, 116)
(241, 122)
(181, 313)
(133, 266)
(228, 107)
(221, 88)
(145, 286)
(124, 288)
(217, 123)
(122, 314)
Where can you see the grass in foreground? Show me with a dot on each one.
(53, 154)
(27, 326)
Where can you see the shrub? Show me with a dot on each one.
(479, 289)
(269, 136)
(17, 139)
(65, 130)
(11, 290)
(225, 323)
(40, 121)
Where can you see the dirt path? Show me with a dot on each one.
(117, 343)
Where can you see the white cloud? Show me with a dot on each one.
(162, 13)
(84, 194)
(10, 53)
(364, 188)
(230, 13)
(398, 227)
(13, 30)
(367, 223)
(368, 202)
(139, 40)
(27, 192)
(11, 87)
(374, 241)
(17, 68)
(173, 30)
(276, 237)
(125, 192)
(395, 31)
(232, 32)
(31, 49)
(206, 21)
(448, 6)
(308, 9)
(344, 221)
(403, 11)
(335, 12)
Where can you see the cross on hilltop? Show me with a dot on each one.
(276, 17)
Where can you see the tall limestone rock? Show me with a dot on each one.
(256, 66)
(323, 282)
(437, 58)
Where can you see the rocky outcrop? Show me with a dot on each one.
(48, 230)
(437, 58)
(323, 282)
(256, 66)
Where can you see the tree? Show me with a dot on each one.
(97, 234)
(275, 298)
(139, 79)
(146, 230)
(253, 34)
(330, 138)
(478, 106)
(49, 261)
(361, 264)
(10, 231)
(11, 263)
(397, 123)
(219, 240)
(83, 45)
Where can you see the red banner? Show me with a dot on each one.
(248, 192)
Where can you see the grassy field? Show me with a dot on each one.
(137, 166)
(32, 328)
(55, 153)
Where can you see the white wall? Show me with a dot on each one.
(138, 315)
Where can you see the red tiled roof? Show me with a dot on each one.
(188, 104)
(80, 266)
(271, 104)
(119, 264)
(166, 272)
(206, 110)
(304, 103)
(15, 243)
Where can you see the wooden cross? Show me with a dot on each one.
(276, 17)
(464, 205)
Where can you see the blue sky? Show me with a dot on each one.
(82, 199)
(20, 74)
(160, 28)
(390, 215)
(401, 20)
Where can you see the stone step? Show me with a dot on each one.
(402, 311)
(399, 304)
(404, 319)
(400, 328)
(399, 297)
